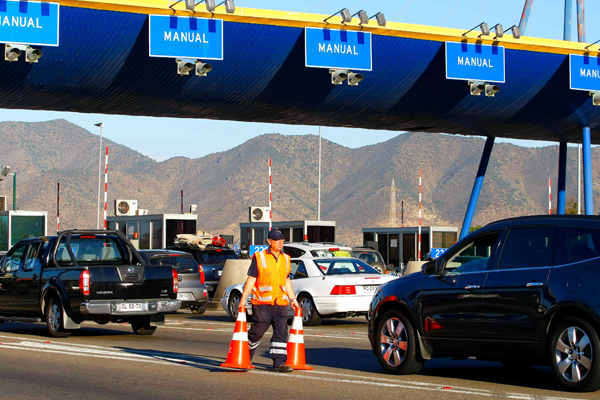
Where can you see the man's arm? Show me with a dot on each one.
(290, 292)
(247, 289)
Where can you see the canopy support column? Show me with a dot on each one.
(525, 16)
(485, 158)
(587, 172)
(562, 177)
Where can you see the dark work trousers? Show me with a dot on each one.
(264, 315)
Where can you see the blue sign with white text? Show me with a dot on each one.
(27, 22)
(335, 49)
(186, 37)
(435, 253)
(254, 248)
(584, 73)
(474, 62)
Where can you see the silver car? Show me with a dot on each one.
(192, 285)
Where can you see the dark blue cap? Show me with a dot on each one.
(275, 234)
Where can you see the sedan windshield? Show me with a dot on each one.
(344, 267)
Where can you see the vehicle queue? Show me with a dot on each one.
(519, 291)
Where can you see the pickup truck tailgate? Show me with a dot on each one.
(130, 282)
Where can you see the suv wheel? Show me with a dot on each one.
(574, 353)
(397, 347)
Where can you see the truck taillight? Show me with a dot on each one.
(343, 289)
(84, 282)
(202, 277)
(175, 281)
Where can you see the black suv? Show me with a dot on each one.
(211, 258)
(521, 291)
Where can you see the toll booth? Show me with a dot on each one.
(255, 233)
(401, 244)
(154, 231)
(17, 224)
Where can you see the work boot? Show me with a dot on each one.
(283, 368)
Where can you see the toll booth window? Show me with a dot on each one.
(474, 257)
(157, 234)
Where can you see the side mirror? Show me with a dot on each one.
(429, 268)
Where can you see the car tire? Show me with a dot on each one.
(310, 315)
(198, 309)
(233, 305)
(143, 328)
(397, 347)
(574, 355)
(54, 318)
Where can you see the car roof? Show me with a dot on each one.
(313, 246)
(151, 252)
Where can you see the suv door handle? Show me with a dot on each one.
(471, 287)
(535, 284)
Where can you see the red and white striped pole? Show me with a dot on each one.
(420, 192)
(550, 196)
(58, 209)
(105, 185)
(270, 197)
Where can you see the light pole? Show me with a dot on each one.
(14, 174)
(319, 195)
(101, 125)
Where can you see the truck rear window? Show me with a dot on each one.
(95, 251)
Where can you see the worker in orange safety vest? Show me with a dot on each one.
(272, 291)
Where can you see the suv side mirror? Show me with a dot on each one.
(429, 268)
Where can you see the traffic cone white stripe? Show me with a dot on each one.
(295, 338)
(240, 336)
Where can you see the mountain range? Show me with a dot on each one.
(355, 185)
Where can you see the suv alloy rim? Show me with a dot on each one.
(574, 354)
(393, 342)
(54, 317)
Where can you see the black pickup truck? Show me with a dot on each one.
(76, 276)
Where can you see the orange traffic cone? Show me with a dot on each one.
(239, 351)
(295, 344)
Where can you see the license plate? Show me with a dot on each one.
(369, 289)
(185, 296)
(126, 307)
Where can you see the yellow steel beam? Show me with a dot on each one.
(301, 20)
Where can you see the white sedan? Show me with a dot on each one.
(325, 287)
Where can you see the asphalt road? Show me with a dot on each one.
(182, 361)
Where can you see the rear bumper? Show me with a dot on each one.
(115, 307)
(357, 304)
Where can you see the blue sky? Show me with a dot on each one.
(151, 136)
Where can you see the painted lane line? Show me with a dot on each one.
(157, 358)
(229, 330)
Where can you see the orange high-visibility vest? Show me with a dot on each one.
(270, 284)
